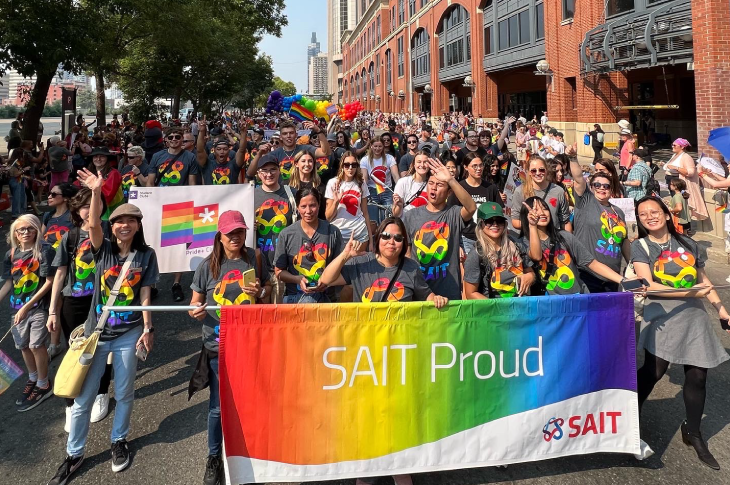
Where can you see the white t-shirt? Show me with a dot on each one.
(557, 146)
(378, 169)
(543, 120)
(546, 142)
(349, 217)
(406, 187)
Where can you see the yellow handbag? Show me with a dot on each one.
(77, 361)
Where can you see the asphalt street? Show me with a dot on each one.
(168, 434)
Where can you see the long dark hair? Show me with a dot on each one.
(82, 198)
(138, 242)
(490, 160)
(381, 228)
(681, 238)
(616, 190)
(552, 229)
(346, 146)
(218, 256)
(448, 156)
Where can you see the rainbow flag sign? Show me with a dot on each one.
(337, 391)
(300, 113)
(181, 222)
(9, 371)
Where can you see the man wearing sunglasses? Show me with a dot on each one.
(136, 173)
(404, 164)
(471, 146)
(174, 167)
(427, 139)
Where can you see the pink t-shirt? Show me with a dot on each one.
(626, 158)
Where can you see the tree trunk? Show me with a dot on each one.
(175, 108)
(36, 103)
(100, 98)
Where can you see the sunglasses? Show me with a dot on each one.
(495, 221)
(54, 194)
(534, 171)
(174, 137)
(598, 185)
(412, 142)
(188, 141)
(386, 236)
(351, 165)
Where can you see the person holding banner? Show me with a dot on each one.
(599, 225)
(676, 328)
(346, 197)
(435, 231)
(385, 275)
(125, 334)
(218, 168)
(275, 211)
(304, 250)
(538, 184)
(230, 275)
(558, 254)
(498, 267)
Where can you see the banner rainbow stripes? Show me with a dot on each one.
(183, 223)
(9, 371)
(317, 392)
(300, 113)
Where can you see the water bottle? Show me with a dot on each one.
(86, 359)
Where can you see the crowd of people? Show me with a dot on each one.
(374, 210)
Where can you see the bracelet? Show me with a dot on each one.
(51, 314)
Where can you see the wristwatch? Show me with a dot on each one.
(263, 292)
(149, 330)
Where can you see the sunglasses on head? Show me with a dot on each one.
(386, 236)
(599, 185)
(174, 137)
(533, 171)
(351, 165)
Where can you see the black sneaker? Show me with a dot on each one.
(154, 292)
(36, 397)
(177, 292)
(213, 471)
(120, 455)
(67, 468)
(29, 386)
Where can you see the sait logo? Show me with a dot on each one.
(592, 423)
(556, 433)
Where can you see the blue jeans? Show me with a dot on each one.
(17, 194)
(215, 432)
(385, 199)
(320, 297)
(124, 360)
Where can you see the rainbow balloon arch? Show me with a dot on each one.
(302, 108)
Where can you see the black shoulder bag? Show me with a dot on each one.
(385, 296)
(158, 175)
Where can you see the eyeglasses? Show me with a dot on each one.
(412, 142)
(386, 236)
(495, 221)
(268, 171)
(351, 165)
(25, 230)
(598, 185)
(187, 141)
(534, 171)
(53, 195)
(476, 167)
(132, 157)
(646, 215)
(174, 137)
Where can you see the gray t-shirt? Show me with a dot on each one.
(286, 159)
(171, 173)
(405, 162)
(370, 279)
(675, 267)
(224, 290)
(560, 276)
(143, 272)
(28, 275)
(601, 229)
(60, 159)
(129, 179)
(301, 255)
(554, 196)
(435, 241)
(273, 213)
(215, 173)
(56, 227)
(495, 282)
(81, 274)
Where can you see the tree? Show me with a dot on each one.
(85, 100)
(37, 38)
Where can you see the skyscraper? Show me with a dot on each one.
(312, 51)
(318, 74)
(341, 16)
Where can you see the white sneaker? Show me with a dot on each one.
(67, 425)
(100, 408)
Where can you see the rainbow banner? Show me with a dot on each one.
(9, 371)
(180, 223)
(300, 113)
(337, 391)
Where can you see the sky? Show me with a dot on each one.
(289, 52)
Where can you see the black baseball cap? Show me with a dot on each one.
(258, 131)
(267, 159)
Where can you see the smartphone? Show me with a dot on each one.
(312, 284)
(517, 286)
(631, 285)
(725, 324)
(142, 353)
(249, 277)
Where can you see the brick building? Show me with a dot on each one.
(481, 56)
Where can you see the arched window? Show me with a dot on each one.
(357, 85)
(420, 54)
(364, 83)
(371, 70)
(455, 27)
(352, 87)
(388, 69)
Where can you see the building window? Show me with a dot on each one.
(392, 19)
(372, 79)
(388, 69)
(468, 47)
(377, 69)
(411, 8)
(455, 54)
(401, 67)
(379, 31)
(615, 7)
(488, 43)
(524, 18)
(441, 57)
(357, 85)
(514, 30)
(420, 54)
(364, 83)
(569, 9)
(540, 20)
(401, 12)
